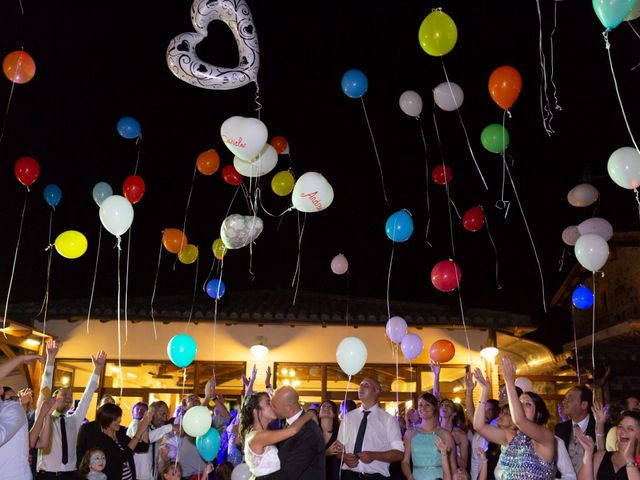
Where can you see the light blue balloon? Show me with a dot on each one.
(208, 444)
(582, 298)
(354, 83)
(101, 191)
(52, 195)
(182, 350)
(129, 127)
(612, 12)
(215, 288)
(399, 226)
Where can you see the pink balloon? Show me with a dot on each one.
(596, 225)
(582, 195)
(339, 264)
(411, 346)
(570, 235)
(396, 329)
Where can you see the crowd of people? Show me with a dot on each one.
(272, 437)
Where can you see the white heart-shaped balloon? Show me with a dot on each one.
(238, 231)
(312, 193)
(245, 137)
(266, 161)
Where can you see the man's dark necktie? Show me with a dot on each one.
(360, 437)
(65, 446)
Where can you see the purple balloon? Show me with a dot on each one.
(396, 329)
(411, 346)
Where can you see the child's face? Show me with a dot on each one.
(174, 473)
(97, 462)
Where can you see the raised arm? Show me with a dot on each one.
(271, 437)
(7, 367)
(98, 364)
(601, 415)
(444, 449)
(52, 348)
(491, 433)
(435, 369)
(587, 471)
(248, 382)
(469, 385)
(40, 433)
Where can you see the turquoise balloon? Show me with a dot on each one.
(399, 226)
(612, 12)
(208, 445)
(182, 350)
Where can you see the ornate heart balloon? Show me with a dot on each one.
(312, 193)
(238, 231)
(184, 62)
(245, 137)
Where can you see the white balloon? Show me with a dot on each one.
(596, 225)
(184, 63)
(624, 167)
(525, 384)
(448, 96)
(238, 231)
(312, 193)
(197, 421)
(245, 137)
(411, 103)
(592, 251)
(570, 235)
(260, 165)
(241, 472)
(351, 355)
(582, 195)
(116, 214)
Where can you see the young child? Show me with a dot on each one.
(171, 471)
(93, 464)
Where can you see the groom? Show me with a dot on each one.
(301, 456)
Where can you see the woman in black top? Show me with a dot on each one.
(117, 446)
(329, 425)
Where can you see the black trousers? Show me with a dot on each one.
(350, 475)
(57, 475)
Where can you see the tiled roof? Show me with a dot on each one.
(275, 307)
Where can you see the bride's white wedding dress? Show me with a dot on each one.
(261, 464)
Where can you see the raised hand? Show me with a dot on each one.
(469, 384)
(585, 440)
(508, 370)
(600, 413)
(441, 445)
(435, 368)
(52, 348)
(484, 383)
(630, 450)
(267, 378)
(99, 360)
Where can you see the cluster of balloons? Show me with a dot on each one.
(19, 67)
(197, 423)
(448, 96)
(410, 343)
(612, 12)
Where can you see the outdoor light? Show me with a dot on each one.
(489, 353)
(259, 351)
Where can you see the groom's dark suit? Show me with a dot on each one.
(302, 456)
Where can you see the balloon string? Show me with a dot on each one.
(464, 129)
(526, 224)
(126, 288)
(186, 208)
(561, 261)
(635, 190)
(348, 301)
(13, 268)
(119, 335)
(446, 185)
(153, 294)
(193, 298)
(503, 204)
(575, 346)
(21, 7)
(257, 100)
(247, 197)
(464, 323)
(6, 112)
(455, 208)
(208, 277)
(593, 330)
(138, 154)
(180, 437)
(545, 106)
(298, 272)
(46, 294)
(95, 276)
(254, 207)
(375, 149)
(278, 215)
(426, 163)
(343, 409)
(556, 105)
(495, 249)
(605, 34)
(215, 313)
(389, 273)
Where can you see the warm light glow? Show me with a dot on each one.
(259, 351)
(408, 404)
(292, 373)
(457, 389)
(132, 375)
(284, 371)
(457, 400)
(33, 342)
(286, 381)
(489, 353)
(296, 383)
(113, 368)
(65, 381)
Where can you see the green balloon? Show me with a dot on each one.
(495, 138)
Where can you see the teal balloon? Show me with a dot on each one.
(182, 350)
(612, 12)
(208, 445)
(399, 226)
(495, 138)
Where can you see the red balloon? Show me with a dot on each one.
(231, 175)
(442, 351)
(133, 188)
(19, 67)
(280, 144)
(446, 276)
(473, 219)
(505, 84)
(441, 174)
(27, 170)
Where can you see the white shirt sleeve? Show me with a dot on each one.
(83, 405)
(157, 433)
(563, 461)
(45, 383)
(393, 434)
(13, 419)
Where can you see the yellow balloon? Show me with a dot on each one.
(438, 34)
(219, 249)
(282, 183)
(71, 244)
(188, 254)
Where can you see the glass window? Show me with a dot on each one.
(228, 376)
(72, 373)
(300, 377)
(451, 381)
(148, 375)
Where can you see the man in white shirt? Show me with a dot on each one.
(58, 461)
(146, 463)
(369, 438)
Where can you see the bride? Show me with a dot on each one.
(260, 451)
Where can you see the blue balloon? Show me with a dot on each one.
(354, 83)
(208, 444)
(52, 194)
(182, 350)
(612, 12)
(399, 226)
(101, 191)
(215, 288)
(129, 127)
(582, 297)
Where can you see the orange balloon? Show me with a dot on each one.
(19, 67)
(280, 144)
(442, 351)
(208, 162)
(505, 84)
(174, 240)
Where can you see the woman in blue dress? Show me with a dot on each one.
(420, 444)
(530, 448)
